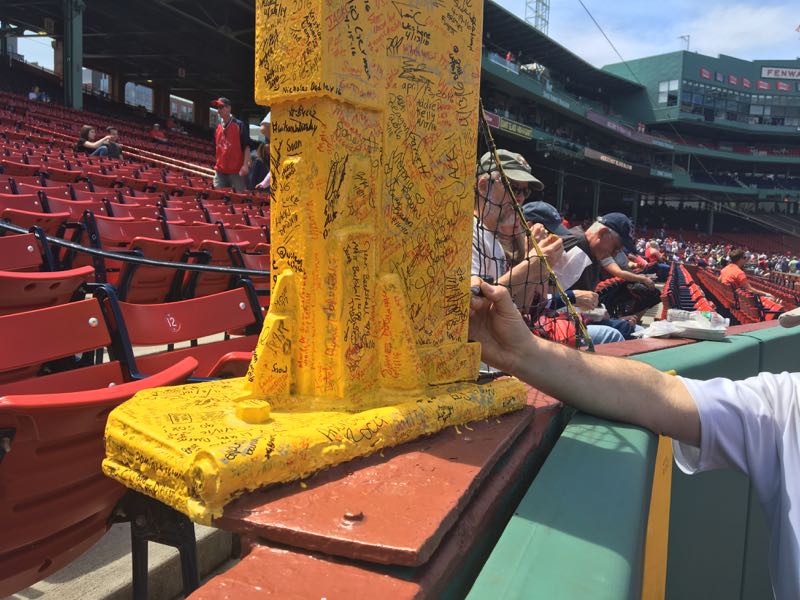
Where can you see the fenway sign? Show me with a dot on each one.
(780, 73)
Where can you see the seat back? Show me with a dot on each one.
(257, 262)
(253, 235)
(29, 291)
(217, 254)
(51, 223)
(138, 325)
(21, 252)
(197, 232)
(55, 191)
(134, 211)
(29, 202)
(55, 501)
(141, 284)
(118, 233)
(76, 208)
(17, 168)
(80, 326)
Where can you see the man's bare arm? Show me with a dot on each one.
(616, 271)
(609, 387)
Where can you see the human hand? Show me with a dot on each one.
(497, 324)
(648, 282)
(244, 170)
(552, 248)
(585, 300)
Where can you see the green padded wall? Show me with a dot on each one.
(579, 531)
(708, 512)
(779, 348)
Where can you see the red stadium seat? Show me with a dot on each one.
(175, 322)
(54, 191)
(63, 175)
(142, 284)
(16, 168)
(29, 202)
(51, 223)
(101, 179)
(254, 236)
(54, 500)
(21, 291)
(115, 235)
(133, 210)
(257, 262)
(76, 208)
(22, 252)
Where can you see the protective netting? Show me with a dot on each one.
(507, 251)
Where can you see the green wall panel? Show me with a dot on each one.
(579, 531)
(709, 511)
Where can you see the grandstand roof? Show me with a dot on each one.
(514, 34)
(214, 42)
(151, 39)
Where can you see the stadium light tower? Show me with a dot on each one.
(537, 13)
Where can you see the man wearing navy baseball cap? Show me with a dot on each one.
(622, 226)
(603, 240)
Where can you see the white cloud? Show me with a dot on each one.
(746, 31)
(589, 44)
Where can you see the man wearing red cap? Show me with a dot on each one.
(233, 149)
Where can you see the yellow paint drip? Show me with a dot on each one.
(374, 125)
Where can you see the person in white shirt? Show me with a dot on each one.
(752, 425)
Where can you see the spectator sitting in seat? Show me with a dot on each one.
(732, 274)
(601, 241)
(601, 332)
(87, 143)
(34, 93)
(157, 135)
(496, 222)
(114, 151)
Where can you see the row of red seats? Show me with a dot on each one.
(53, 409)
(179, 242)
(680, 291)
(788, 296)
(37, 114)
(742, 306)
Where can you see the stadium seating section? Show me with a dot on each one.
(89, 330)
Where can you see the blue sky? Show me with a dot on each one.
(744, 29)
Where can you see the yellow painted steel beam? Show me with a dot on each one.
(374, 108)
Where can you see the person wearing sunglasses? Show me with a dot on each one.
(497, 223)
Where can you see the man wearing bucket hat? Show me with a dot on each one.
(749, 425)
(496, 223)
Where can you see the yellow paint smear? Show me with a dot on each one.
(186, 447)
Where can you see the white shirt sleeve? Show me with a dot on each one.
(741, 424)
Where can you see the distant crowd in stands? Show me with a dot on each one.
(37, 95)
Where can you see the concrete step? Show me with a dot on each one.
(104, 572)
